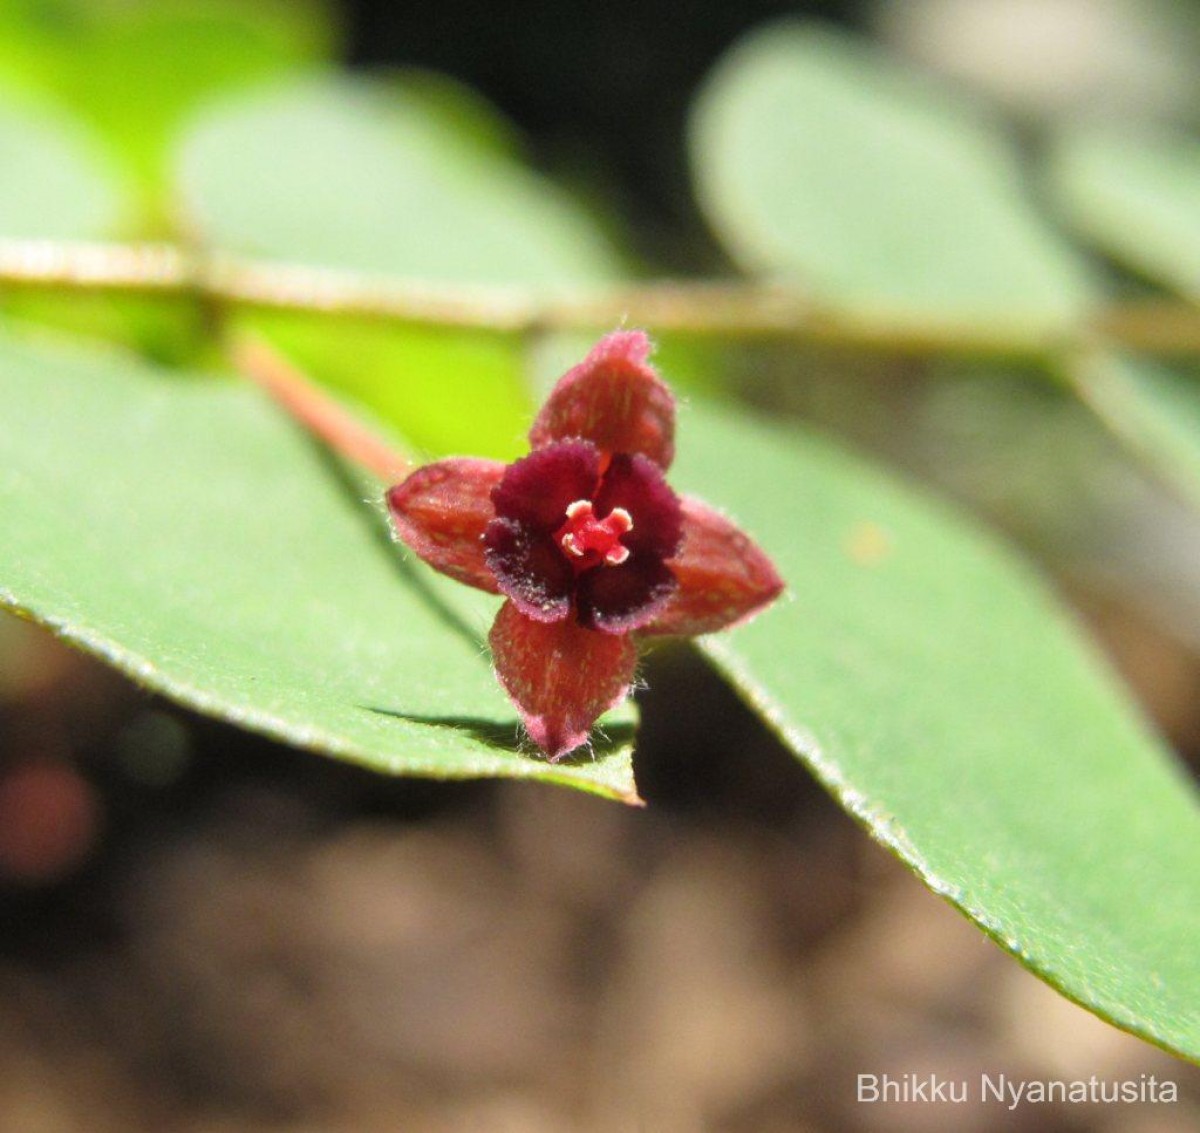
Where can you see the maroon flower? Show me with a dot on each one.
(586, 541)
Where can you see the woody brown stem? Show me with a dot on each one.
(730, 310)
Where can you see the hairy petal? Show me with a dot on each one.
(441, 511)
(560, 676)
(530, 569)
(724, 576)
(537, 489)
(637, 484)
(617, 599)
(614, 399)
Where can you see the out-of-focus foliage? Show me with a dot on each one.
(270, 174)
(820, 161)
(1136, 196)
(176, 526)
(1154, 408)
(136, 70)
(1046, 60)
(57, 183)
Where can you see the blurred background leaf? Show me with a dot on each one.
(55, 179)
(1153, 408)
(136, 69)
(821, 161)
(1134, 194)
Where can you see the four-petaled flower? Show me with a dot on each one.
(587, 543)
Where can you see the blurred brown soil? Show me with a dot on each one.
(262, 940)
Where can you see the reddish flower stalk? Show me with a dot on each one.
(586, 541)
(314, 410)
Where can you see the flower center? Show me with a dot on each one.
(583, 536)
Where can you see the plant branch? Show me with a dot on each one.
(729, 310)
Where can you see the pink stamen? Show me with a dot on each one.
(584, 536)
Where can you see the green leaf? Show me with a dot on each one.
(1136, 196)
(54, 182)
(821, 161)
(1154, 409)
(936, 688)
(403, 180)
(182, 530)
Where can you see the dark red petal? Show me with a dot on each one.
(530, 568)
(560, 676)
(637, 484)
(537, 489)
(614, 399)
(724, 576)
(440, 512)
(617, 599)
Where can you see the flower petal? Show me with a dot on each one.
(537, 489)
(724, 576)
(560, 676)
(617, 599)
(530, 569)
(637, 484)
(614, 399)
(440, 512)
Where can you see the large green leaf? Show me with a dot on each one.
(938, 690)
(396, 179)
(1153, 408)
(820, 160)
(185, 532)
(1137, 195)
